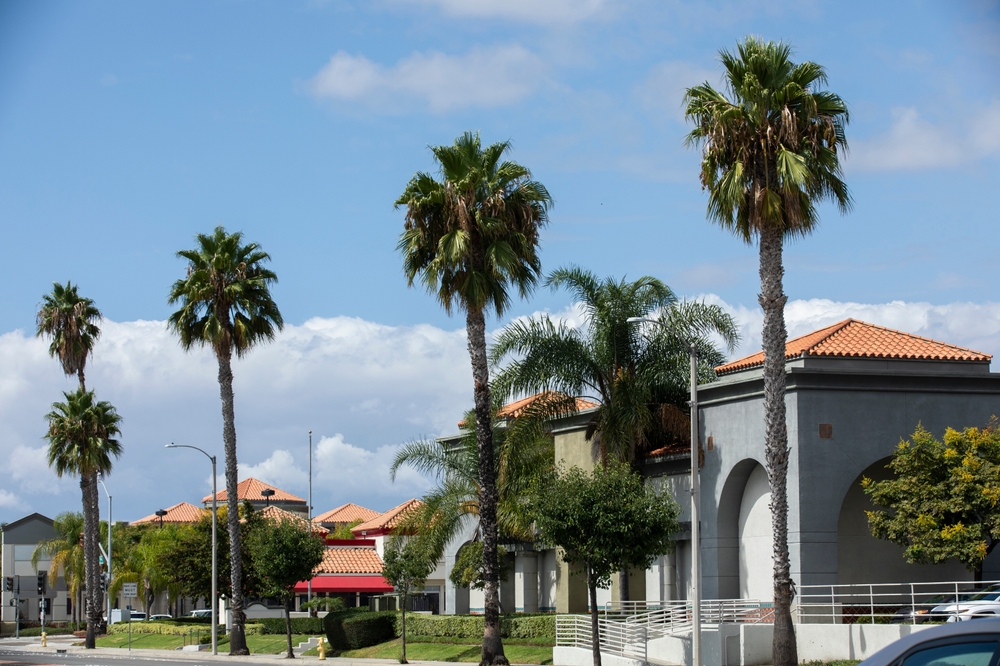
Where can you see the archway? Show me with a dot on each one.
(756, 538)
(728, 528)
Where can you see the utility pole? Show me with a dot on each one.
(309, 583)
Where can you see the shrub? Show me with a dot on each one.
(471, 626)
(300, 625)
(49, 631)
(193, 620)
(155, 628)
(353, 629)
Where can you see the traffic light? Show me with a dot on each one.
(9, 583)
(105, 578)
(42, 575)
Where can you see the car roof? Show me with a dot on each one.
(892, 652)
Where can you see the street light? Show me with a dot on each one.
(107, 591)
(266, 494)
(161, 513)
(215, 559)
(695, 498)
(309, 509)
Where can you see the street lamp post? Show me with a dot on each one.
(161, 513)
(215, 558)
(266, 494)
(309, 583)
(110, 523)
(695, 500)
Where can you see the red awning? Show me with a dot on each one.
(373, 583)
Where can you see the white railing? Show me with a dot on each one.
(884, 603)
(618, 638)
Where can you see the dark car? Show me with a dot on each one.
(956, 644)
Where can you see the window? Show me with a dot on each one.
(953, 654)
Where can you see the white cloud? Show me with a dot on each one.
(365, 472)
(279, 470)
(483, 77)
(662, 91)
(914, 143)
(9, 500)
(528, 11)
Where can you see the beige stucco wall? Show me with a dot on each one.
(573, 450)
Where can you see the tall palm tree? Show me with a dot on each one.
(770, 152)
(82, 443)
(71, 321)
(469, 238)
(640, 382)
(65, 554)
(225, 303)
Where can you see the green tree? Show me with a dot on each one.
(226, 304)
(284, 552)
(770, 153)
(470, 238)
(639, 379)
(407, 563)
(605, 522)
(941, 502)
(82, 443)
(142, 561)
(65, 553)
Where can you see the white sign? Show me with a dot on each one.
(130, 590)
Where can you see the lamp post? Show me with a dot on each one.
(695, 498)
(215, 558)
(161, 513)
(110, 523)
(266, 494)
(309, 509)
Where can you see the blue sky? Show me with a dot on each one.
(126, 128)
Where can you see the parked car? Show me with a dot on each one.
(204, 612)
(975, 605)
(965, 644)
(161, 616)
(922, 611)
(136, 615)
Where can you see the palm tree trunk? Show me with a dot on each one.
(492, 643)
(772, 300)
(237, 636)
(91, 525)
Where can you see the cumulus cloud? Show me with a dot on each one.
(662, 91)
(528, 11)
(914, 143)
(9, 500)
(483, 77)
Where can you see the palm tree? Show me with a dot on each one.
(226, 303)
(640, 382)
(523, 452)
(469, 238)
(82, 443)
(65, 554)
(770, 152)
(72, 323)
(142, 561)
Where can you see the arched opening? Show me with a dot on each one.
(728, 526)
(756, 538)
(861, 558)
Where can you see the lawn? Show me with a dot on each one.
(268, 644)
(464, 650)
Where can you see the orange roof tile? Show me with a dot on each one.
(388, 520)
(514, 409)
(185, 512)
(859, 339)
(346, 513)
(349, 560)
(249, 489)
(280, 515)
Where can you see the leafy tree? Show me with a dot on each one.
(142, 561)
(225, 303)
(523, 449)
(406, 563)
(942, 501)
(639, 379)
(65, 553)
(469, 238)
(770, 153)
(605, 521)
(468, 568)
(72, 323)
(82, 443)
(283, 553)
(344, 531)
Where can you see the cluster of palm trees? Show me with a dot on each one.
(771, 146)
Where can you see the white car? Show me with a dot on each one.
(204, 612)
(980, 605)
(161, 616)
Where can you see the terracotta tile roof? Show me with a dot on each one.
(388, 520)
(669, 450)
(854, 338)
(347, 513)
(280, 516)
(185, 512)
(249, 489)
(514, 409)
(349, 560)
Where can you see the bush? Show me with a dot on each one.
(471, 626)
(193, 620)
(300, 625)
(155, 628)
(353, 629)
(49, 631)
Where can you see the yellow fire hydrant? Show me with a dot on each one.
(322, 649)
(45, 642)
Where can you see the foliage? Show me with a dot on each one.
(329, 604)
(300, 625)
(354, 628)
(71, 321)
(82, 434)
(406, 562)
(639, 377)
(468, 568)
(344, 531)
(471, 626)
(942, 501)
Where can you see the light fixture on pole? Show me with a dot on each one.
(161, 513)
(309, 509)
(107, 590)
(215, 558)
(695, 496)
(266, 494)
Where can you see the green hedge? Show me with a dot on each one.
(300, 625)
(157, 628)
(353, 629)
(49, 631)
(471, 626)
